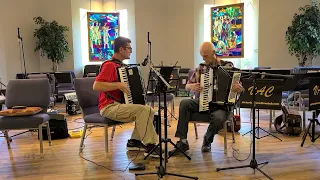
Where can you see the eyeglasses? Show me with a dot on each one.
(128, 48)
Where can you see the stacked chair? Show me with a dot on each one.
(30, 93)
(52, 81)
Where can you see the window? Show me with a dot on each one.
(250, 35)
(84, 33)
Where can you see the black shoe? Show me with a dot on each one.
(206, 146)
(155, 153)
(135, 145)
(182, 146)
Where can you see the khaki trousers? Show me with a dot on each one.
(142, 116)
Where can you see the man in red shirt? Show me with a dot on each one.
(111, 90)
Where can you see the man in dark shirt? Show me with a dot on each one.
(144, 136)
(190, 106)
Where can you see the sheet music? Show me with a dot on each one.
(160, 76)
(233, 95)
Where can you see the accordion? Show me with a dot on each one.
(224, 97)
(131, 75)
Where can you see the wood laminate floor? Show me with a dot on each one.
(287, 160)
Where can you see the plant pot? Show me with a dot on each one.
(55, 67)
(306, 63)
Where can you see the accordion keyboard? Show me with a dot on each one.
(206, 81)
(124, 78)
(132, 77)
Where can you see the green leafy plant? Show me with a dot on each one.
(303, 36)
(51, 41)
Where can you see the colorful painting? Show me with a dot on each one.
(227, 30)
(103, 29)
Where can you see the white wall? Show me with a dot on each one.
(3, 62)
(48, 10)
(21, 15)
(170, 24)
(275, 16)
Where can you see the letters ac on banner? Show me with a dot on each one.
(314, 93)
(268, 93)
(264, 91)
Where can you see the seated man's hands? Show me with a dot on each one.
(196, 87)
(123, 87)
(237, 88)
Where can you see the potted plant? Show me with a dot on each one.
(303, 36)
(51, 41)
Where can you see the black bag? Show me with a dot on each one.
(291, 120)
(58, 127)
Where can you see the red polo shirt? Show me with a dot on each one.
(108, 73)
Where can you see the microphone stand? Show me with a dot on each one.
(150, 71)
(22, 52)
(2, 84)
(253, 163)
(162, 86)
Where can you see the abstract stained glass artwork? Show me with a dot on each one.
(227, 30)
(103, 29)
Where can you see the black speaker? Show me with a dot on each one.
(58, 127)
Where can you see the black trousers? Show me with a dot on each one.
(190, 106)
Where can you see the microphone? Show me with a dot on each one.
(149, 37)
(145, 61)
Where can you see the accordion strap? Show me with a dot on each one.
(111, 97)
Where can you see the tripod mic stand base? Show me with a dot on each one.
(253, 164)
(174, 145)
(161, 172)
(260, 137)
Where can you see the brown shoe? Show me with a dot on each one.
(206, 146)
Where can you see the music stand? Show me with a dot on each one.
(170, 78)
(225, 99)
(274, 101)
(253, 163)
(162, 86)
(314, 104)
